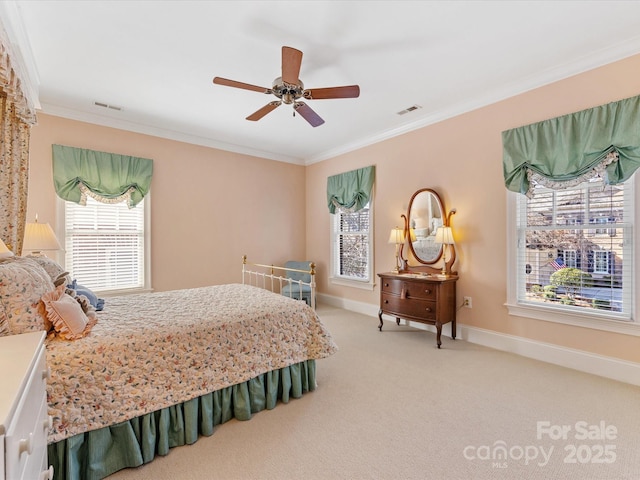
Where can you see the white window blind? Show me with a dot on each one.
(575, 249)
(352, 249)
(105, 245)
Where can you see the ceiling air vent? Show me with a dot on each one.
(105, 105)
(410, 109)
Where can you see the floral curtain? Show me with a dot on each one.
(16, 118)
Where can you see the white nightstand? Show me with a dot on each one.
(24, 422)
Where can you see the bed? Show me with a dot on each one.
(159, 370)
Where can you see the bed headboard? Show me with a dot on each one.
(278, 280)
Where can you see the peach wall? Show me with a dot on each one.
(208, 207)
(461, 158)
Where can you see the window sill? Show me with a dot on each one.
(607, 323)
(352, 283)
(117, 293)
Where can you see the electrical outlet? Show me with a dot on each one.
(467, 302)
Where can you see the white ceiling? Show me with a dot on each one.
(156, 60)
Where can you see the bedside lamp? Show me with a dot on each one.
(397, 237)
(444, 236)
(4, 251)
(39, 237)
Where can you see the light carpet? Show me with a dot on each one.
(390, 405)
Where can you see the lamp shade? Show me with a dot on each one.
(444, 235)
(39, 237)
(4, 251)
(396, 236)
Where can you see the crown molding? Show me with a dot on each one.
(105, 121)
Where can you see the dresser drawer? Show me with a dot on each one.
(392, 285)
(426, 291)
(408, 289)
(409, 307)
(34, 464)
(26, 439)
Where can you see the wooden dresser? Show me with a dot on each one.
(419, 297)
(24, 421)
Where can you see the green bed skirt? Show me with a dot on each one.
(95, 455)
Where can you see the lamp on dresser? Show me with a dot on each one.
(39, 237)
(397, 237)
(444, 236)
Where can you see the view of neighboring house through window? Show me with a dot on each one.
(602, 262)
(575, 248)
(105, 245)
(352, 245)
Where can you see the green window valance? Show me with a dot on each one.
(350, 191)
(78, 172)
(602, 141)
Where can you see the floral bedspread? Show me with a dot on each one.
(150, 351)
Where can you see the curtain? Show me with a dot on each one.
(108, 177)
(350, 191)
(16, 117)
(602, 141)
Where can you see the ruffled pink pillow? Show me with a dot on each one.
(66, 315)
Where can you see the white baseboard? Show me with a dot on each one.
(608, 367)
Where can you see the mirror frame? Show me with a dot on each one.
(427, 265)
(412, 249)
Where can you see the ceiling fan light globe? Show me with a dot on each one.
(288, 98)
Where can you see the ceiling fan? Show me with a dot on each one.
(289, 89)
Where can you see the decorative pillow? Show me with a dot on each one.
(22, 283)
(53, 268)
(97, 303)
(66, 315)
(421, 232)
(62, 279)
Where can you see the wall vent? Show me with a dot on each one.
(410, 109)
(105, 105)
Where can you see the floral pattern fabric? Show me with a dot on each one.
(150, 351)
(16, 117)
(22, 284)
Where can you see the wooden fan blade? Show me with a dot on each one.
(291, 61)
(232, 83)
(308, 114)
(350, 91)
(269, 107)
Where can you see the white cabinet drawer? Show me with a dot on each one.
(26, 438)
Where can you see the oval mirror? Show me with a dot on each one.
(425, 214)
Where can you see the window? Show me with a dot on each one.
(568, 266)
(600, 221)
(570, 257)
(601, 262)
(105, 245)
(352, 246)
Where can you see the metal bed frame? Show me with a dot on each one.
(269, 280)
